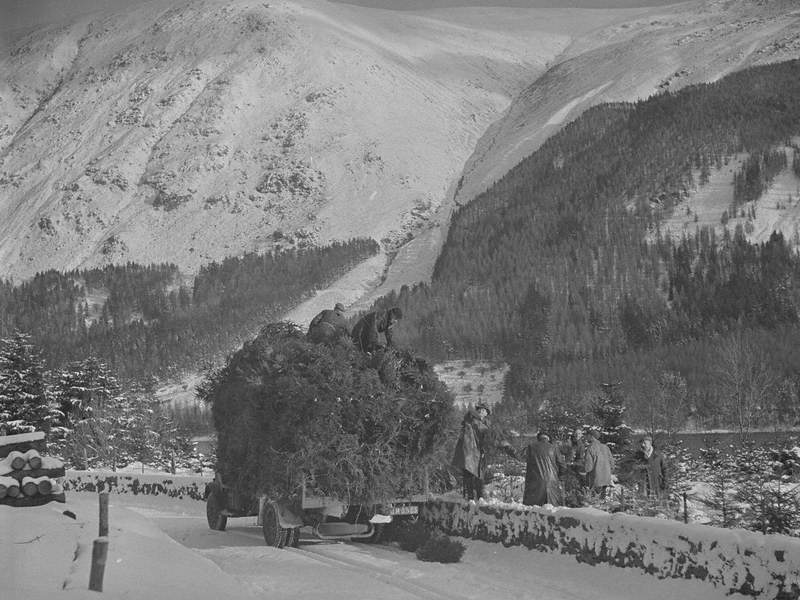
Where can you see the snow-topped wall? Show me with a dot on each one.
(735, 560)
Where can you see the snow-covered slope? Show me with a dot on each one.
(191, 131)
(663, 50)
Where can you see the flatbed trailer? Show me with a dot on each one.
(330, 518)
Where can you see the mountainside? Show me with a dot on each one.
(197, 130)
(665, 49)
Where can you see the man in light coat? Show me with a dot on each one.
(470, 452)
(598, 464)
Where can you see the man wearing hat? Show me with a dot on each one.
(367, 330)
(597, 464)
(470, 454)
(328, 325)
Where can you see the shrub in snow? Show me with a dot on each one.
(411, 535)
(440, 548)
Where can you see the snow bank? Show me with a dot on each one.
(734, 560)
(147, 484)
(49, 553)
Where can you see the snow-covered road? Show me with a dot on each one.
(332, 571)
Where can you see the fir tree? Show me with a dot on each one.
(25, 403)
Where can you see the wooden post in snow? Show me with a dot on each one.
(685, 509)
(99, 555)
(103, 528)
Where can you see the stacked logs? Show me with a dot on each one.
(27, 478)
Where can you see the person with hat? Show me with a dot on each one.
(328, 325)
(598, 463)
(545, 465)
(652, 470)
(368, 328)
(473, 444)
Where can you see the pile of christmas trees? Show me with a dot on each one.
(27, 477)
(365, 427)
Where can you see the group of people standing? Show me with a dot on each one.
(331, 324)
(583, 460)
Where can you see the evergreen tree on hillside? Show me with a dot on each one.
(609, 411)
(25, 403)
(83, 388)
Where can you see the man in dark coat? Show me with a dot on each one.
(367, 329)
(328, 325)
(652, 469)
(597, 464)
(545, 465)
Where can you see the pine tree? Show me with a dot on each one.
(609, 410)
(25, 403)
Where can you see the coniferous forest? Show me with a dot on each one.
(147, 322)
(561, 268)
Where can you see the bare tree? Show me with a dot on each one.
(668, 407)
(745, 381)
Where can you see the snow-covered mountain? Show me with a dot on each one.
(188, 131)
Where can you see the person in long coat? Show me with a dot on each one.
(328, 325)
(653, 470)
(545, 466)
(598, 464)
(367, 330)
(470, 452)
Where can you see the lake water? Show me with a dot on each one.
(694, 441)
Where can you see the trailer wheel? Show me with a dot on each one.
(214, 507)
(274, 534)
(293, 537)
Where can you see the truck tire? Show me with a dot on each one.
(293, 537)
(274, 534)
(215, 504)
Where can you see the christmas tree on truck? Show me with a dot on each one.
(323, 434)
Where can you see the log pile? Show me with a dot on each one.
(27, 476)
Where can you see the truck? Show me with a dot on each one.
(329, 517)
(323, 435)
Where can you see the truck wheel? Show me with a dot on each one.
(293, 537)
(274, 534)
(214, 506)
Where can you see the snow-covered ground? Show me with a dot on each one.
(160, 547)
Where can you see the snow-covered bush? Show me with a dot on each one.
(440, 548)
(411, 535)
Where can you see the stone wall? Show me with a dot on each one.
(734, 560)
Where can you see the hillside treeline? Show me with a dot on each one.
(561, 268)
(147, 322)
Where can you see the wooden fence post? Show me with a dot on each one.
(103, 529)
(685, 509)
(99, 554)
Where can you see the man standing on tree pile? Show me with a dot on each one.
(473, 444)
(328, 325)
(653, 470)
(545, 466)
(597, 464)
(367, 329)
